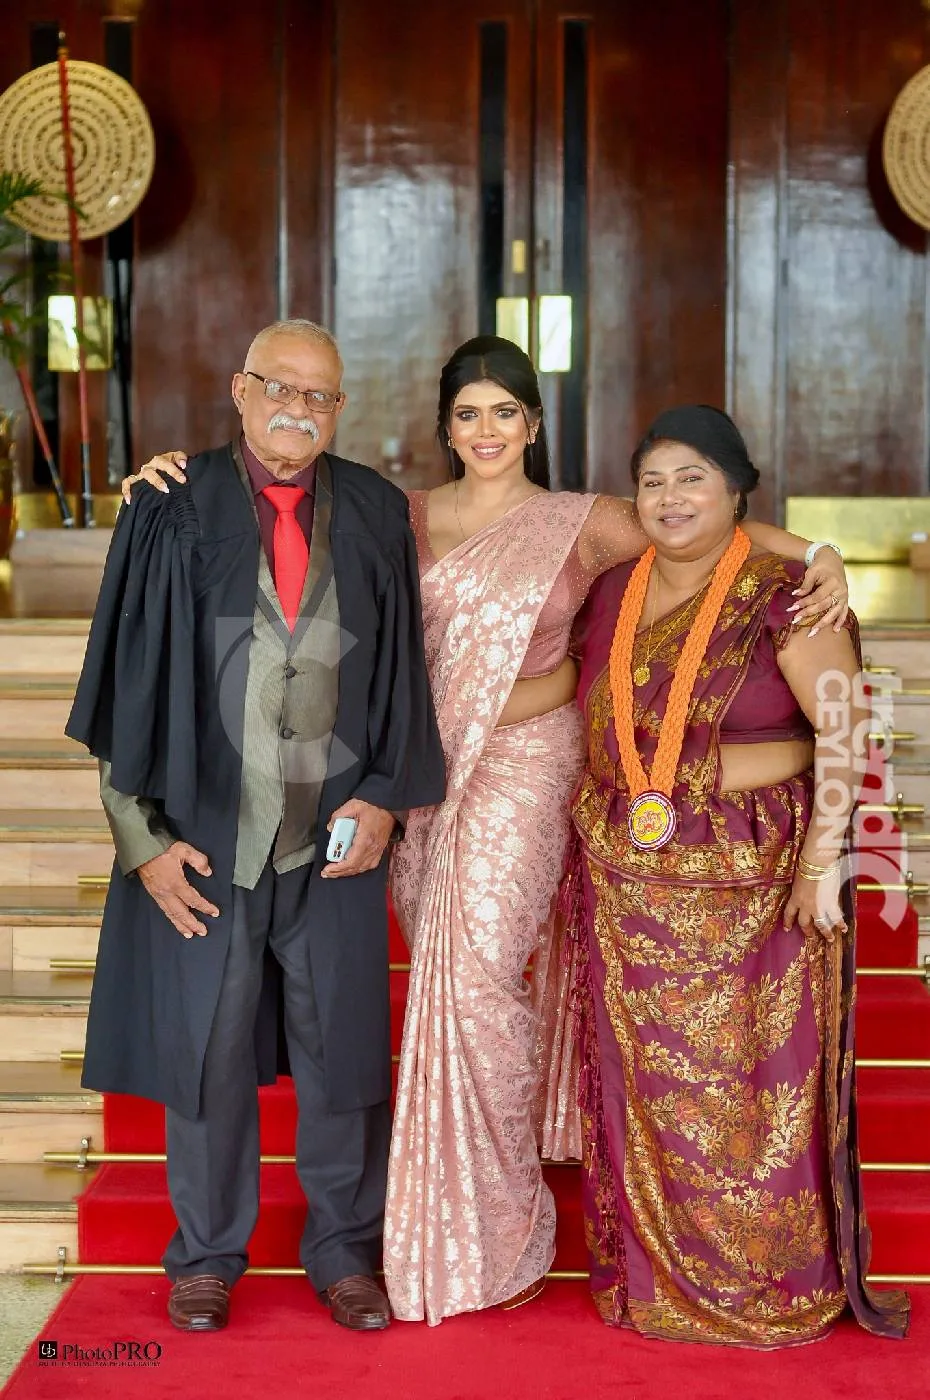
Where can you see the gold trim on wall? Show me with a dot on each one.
(868, 529)
(38, 510)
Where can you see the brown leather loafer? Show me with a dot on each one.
(357, 1302)
(199, 1303)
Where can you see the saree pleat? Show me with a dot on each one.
(721, 1181)
(469, 1219)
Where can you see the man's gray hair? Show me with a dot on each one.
(304, 330)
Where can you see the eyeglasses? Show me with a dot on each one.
(317, 400)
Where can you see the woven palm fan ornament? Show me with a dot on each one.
(77, 127)
(906, 148)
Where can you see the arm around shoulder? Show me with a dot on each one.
(611, 535)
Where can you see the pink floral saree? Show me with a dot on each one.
(721, 1183)
(469, 1220)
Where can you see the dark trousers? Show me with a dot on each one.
(213, 1161)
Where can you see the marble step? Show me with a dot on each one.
(38, 1213)
(51, 774)
(53, 649)
(44, 1109)
(34, 709)
(905, 649)
(42, 1014)
(917, 855)
(41, 847)
(911, 709)
(39, 923)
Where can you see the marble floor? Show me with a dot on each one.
(25, 1303)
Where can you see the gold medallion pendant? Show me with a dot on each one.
(651, 821)
(641, 675)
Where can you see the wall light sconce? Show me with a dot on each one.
(62, 333)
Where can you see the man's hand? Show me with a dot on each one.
(374, 831)
(164, 879)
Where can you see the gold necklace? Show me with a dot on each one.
(455, 496)
(642, 673)
(458, 518)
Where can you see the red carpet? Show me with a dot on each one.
(555, 1349)
(125, 1216)
(282, 1342)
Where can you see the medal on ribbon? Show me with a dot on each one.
(651, 819)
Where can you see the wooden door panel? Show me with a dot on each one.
(406, 229)
(656, 211)
(207, 232)
(856, 352)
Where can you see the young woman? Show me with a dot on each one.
(505, 565)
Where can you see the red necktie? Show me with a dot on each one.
(291, 552)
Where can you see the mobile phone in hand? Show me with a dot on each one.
(341, 838)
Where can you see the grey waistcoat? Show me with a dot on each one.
(290, 707)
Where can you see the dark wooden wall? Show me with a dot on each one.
(744, 248)
(829, 336)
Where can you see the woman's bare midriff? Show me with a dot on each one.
(747, 766)
(537, 695)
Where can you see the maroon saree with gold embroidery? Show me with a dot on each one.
(722, 1193)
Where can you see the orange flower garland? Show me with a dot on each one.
(672, 731)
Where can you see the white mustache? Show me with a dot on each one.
(300, 425)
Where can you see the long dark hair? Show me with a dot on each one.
(504, 363)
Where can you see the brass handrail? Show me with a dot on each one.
(76, 1057)
(899, 808)
(893, 972)
(894, 1166)
(89, 965)
(911, 887)
(64, 1270)
(95, 1159)
(892, 1064)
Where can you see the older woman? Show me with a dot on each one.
(715, 936)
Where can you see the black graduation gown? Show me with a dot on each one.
(162, 697)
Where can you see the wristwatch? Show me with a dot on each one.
(819, 544)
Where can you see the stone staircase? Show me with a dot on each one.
(52, 833)
(55, 855)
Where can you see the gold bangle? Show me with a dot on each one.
(815, 879)
(802, 860)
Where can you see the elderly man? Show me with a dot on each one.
(254, 672)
